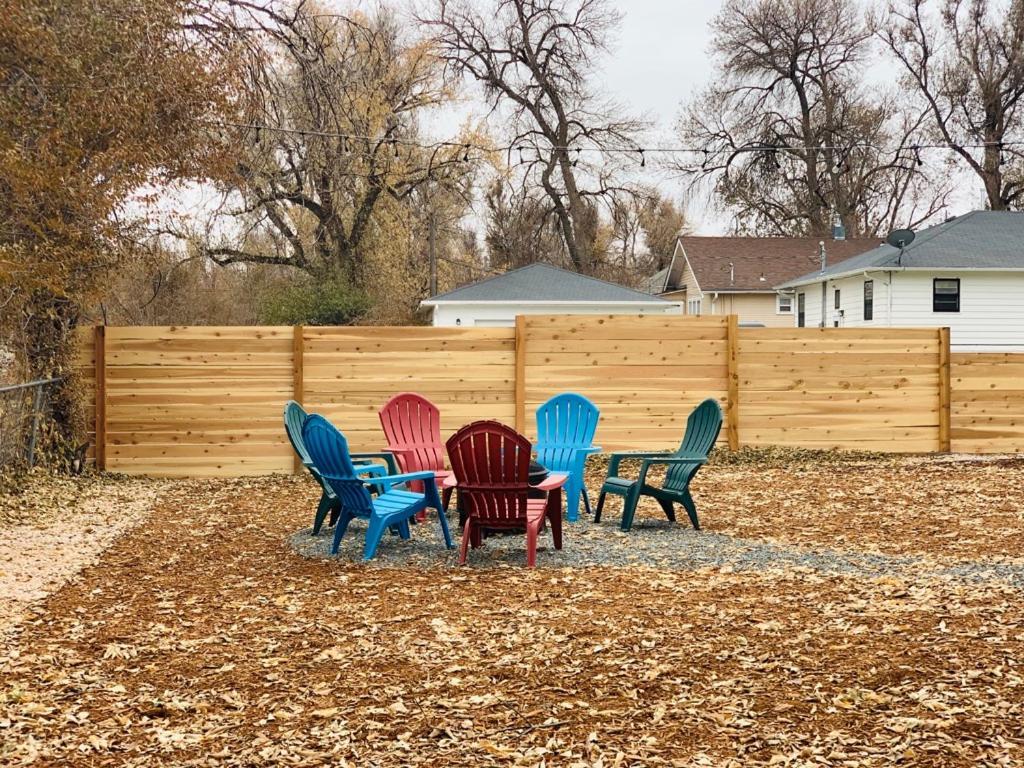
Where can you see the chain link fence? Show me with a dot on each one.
(23, 409)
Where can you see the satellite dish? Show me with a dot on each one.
(900, 238)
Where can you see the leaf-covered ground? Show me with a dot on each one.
(202, 638)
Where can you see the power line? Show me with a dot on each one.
(639, 151)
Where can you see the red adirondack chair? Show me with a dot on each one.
(491, 463)
(412, 427)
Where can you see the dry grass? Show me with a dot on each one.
(201, 639)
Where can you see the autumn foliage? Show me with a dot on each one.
(102, 103)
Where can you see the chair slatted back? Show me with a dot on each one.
(329, 450)
(702, 429)
(492, 465)
(294, 418)
(412, 427)
(565, 423)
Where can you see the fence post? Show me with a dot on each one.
(100, 371)
(520, 373)
(945, 394)
(298, 381)
(37, 406)
(732, 404)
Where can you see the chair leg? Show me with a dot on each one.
(326, 502)
(553, 513)
(443, 519)
(666, 506)
(403, 529)
(467, 532)
(339, 530)
(586, 500)
(691, 509)
(531, 545)
(374, 533)
(600, 506)
(446, 497)
(335, 513)
(572, 500)
(629, 508)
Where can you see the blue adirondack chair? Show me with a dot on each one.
(565, 432)
(702, 428)
(294, 417)
(328, 449)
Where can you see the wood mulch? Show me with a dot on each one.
(201, 638)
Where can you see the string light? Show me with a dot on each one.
(348, 139)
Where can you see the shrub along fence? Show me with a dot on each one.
(194, 401)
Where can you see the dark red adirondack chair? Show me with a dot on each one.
(491, 463)
(412, 427)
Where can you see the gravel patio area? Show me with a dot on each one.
(836, 610)
(956, 517)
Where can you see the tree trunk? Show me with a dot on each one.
(49, 347)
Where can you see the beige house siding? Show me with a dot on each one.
(751, 307)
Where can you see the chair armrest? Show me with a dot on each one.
(687, 458)
(450, 481)
(617, 456)
(640, 454)
(592, 449)
(370, 469)
(552, 481)
(390, 480)
(388, 457)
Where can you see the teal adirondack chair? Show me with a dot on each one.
(294, 418)
(565, 432)
(702, 428)
(392, 508)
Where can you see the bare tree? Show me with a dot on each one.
(520, 229)
(662, 222)
(791, 136)
(347, 92)
(535, 57)
(968, 67)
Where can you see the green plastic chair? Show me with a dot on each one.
(294, 418)
(702, 428)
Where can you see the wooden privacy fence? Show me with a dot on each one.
(193, 401)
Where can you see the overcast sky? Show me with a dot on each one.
(658, 60)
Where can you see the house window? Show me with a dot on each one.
(869, 299)
(946, 294)
(693, 307)
(837, 313)
(801, 310)
(837, 303)
(783, 304)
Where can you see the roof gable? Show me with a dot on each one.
(738, 264)
(543, 282)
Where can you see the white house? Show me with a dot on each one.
(539, 289)
(966, 273)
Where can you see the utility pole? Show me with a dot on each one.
(432, 247)
(824, 283)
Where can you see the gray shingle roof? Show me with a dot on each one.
(976, 240)
(543, 282)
